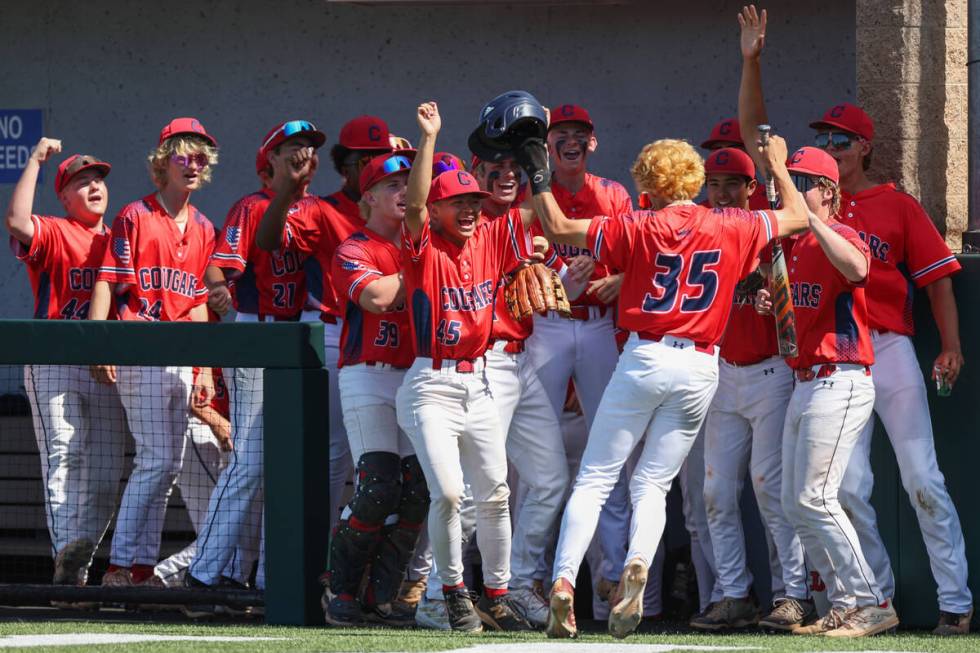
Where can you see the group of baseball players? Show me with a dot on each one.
(453, 416)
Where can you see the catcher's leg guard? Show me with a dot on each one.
(377, 496)
(391, 557)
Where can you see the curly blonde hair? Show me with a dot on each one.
(159, 158)
(670, 169)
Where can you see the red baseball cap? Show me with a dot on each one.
(186, 126)
(730, 160)
(452, 183)
(286, 130)
(814, 162)
(725, 131)
(261, 161)
(849, 118)
(74, 165)
(365, 133)
(570, 113)
(383, 166)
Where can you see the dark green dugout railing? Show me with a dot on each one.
(296, 448)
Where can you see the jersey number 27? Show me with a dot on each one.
(701, 282)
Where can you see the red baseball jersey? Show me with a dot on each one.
(158, 270)
(62, 264)
(451, 290)
(681, 265)
(831, 312)
(907, 252)
(315, 233)
(261, 282)
(597, 197)
(750, 337)
(367, 336)
(220, 402)
(345, 206)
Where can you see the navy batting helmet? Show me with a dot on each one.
(506, 122)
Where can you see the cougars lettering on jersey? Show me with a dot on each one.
(750, 337)
(907, 252)
(831, 312)
(681, 265)
(158, 270)
(597, 197)
(62, 263)
(315, 233)
(346, 207)
(451, 290)
(266, 283)
(367, 336)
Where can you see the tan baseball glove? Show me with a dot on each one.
(536, 289)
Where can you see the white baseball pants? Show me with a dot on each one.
(536, 450)
(823, 422)
(367, 394)
(452, 421)
(691, 480)
(902, 407)
(80, 431)
(156, 400)
(660, 391)
(744, 435)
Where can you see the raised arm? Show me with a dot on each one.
(420, 178)
(532, 156)
(794, 216)
(290, 178)
(751, 106)
(19, 222)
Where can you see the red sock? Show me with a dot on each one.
(113, 567)
(141, 572)
(495, 593)
(450, 588)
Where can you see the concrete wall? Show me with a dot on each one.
(912, 79)
(108, 75)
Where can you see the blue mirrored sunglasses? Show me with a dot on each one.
(291, 128)
(803, 183)
(833, 140)
(396, 163)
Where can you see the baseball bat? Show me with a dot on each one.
(782, 299)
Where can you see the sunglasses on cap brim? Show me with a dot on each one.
(834, 140)
(399, 143)
(445, 165)
(395, 163)
(803, 183)
(290, 129)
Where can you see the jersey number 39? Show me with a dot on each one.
(701, 282)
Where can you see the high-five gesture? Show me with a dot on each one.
(45, 149)
(430, 122)
(753, 26)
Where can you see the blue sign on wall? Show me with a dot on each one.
(20, 130)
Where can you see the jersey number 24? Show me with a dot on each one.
(701, 282)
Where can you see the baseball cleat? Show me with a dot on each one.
(117, 578)
(463, 617)
(831, 621)
(343, 610)
(530, 605)
(626, 615)
(411, 591)
(398, 615)
(788, 614)
(499, 613)
(951, 623)
(561, 617)
(865, 621)
(71, 563)
(431, 614)
(727, 614)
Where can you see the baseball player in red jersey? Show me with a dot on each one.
(743, 436)
(267, 287)
(535, 447)
(361, 139)
(834, 394)
(315, 235)
(681, 264)
(154, 264)
(78, 423)
(452, 266)
(907, 252)
(726, 134)
(375, 351)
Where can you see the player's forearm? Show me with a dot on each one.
(101, 300)
(751, 109)
(214, 277)
(944, 311)
(269, 234)
(419, 181)
(381, 295)
(557, 227)
(843, 255)
(18, 219)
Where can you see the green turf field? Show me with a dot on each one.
(330, 640)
